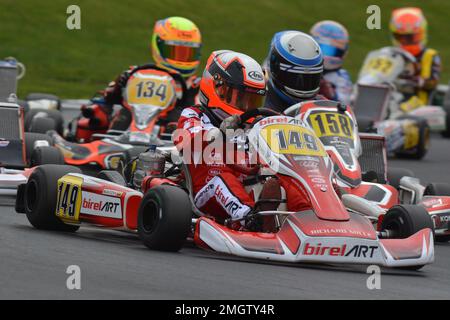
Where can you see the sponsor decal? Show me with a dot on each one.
(228, 202)
(344, 231)
(101, 205)
(255, 75)
(357, 251)
(113, 193)
(431, 203)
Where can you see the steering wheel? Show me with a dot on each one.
(251, 169)
(247, 115)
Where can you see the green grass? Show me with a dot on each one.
(116, 33)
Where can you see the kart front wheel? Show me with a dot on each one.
(40, 197)
(164, 218)
(402, 221)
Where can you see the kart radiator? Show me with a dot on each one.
(373, 157)
(8, 79)
(11, 137)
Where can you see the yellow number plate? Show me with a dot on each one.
(292, 139)
(150, 90)
(68, 204)
(379, 64)
(331, 124)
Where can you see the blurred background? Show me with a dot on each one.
(116, 34)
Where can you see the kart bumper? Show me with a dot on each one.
(295, 246)
(10, 180)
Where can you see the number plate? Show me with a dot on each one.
(292, 139)
(68, 202)
(151, 90)
(331, 124)
(382, 65)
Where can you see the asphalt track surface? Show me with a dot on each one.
(116, 265)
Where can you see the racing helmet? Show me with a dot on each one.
(409, 29)
(232, 82)
(333, 40)
(176, 45)
(295, 64)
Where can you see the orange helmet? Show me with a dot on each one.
(409, 29)
(176, 45)
(232, 82)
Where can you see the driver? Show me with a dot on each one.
(409, 32)
(176, 45)
(294, 69)
(232, 83)
(333, 40)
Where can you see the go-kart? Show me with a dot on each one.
(147, 95)
(60, 198)
(370, 187)
(381, 81)
(20, 150)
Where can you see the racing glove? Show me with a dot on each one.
(231, 122)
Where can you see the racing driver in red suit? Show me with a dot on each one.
(232, 83)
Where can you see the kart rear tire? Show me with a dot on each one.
(40, 197)
(31, 138)
(405, 220)
(52, 114)
(46, 155)
(43, 96)
(112, 176)
(394, 175)
(164, 218)
(437, 189)
(42, 125)
(446, 132)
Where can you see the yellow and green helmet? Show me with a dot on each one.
(176, 45)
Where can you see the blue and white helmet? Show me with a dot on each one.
(295, 64)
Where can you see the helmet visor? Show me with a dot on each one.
(331, 51)
(240, 98)
(298, 81)
(408, 39)
(179, 51)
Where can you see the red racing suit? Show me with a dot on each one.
(218, 189)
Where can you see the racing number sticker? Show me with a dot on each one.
(327, 124)
(150, 90)
(292, 139)
(383, 65)
(68, 201)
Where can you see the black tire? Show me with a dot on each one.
(365, 124)
(52, 114)
(446, 132)
(40, 197)
(164, 218)
(43, 96)
(445, 238)
(437, 189)
(424, 140)
(394, 176)
(112, 176)
(30, 139)
(42, 125)
(403, 221)
(46, 155)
